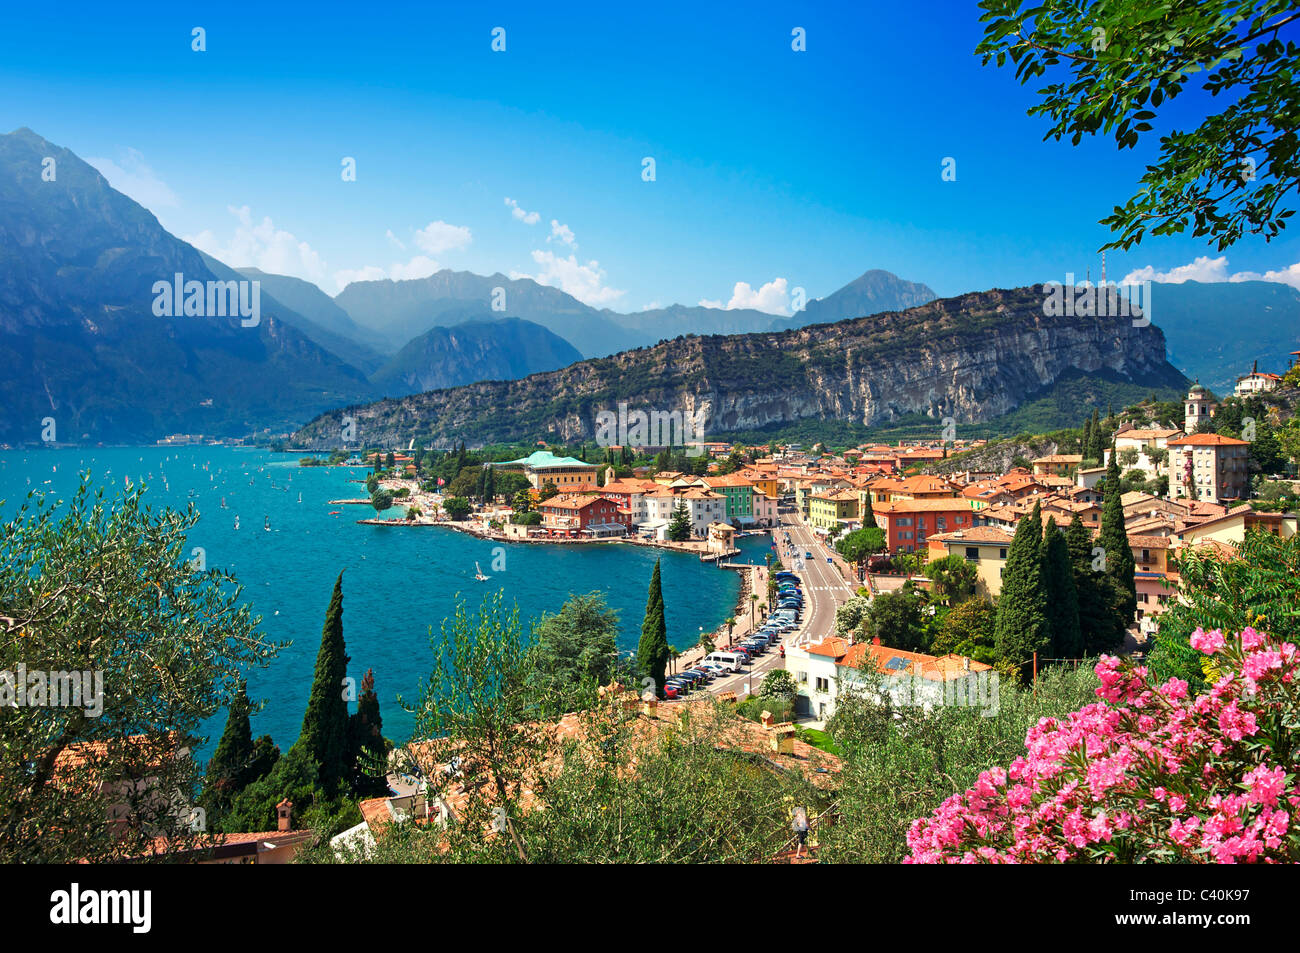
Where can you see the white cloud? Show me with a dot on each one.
(438, 237)
(772, 298)
(275, 250)
(563, 234)
(133, 177)
(420, 266)
(584, 281)
(1203, 268)
(262, 245)
(1211, 270)
(528, 218)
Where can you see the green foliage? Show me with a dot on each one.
(652, 650)
(901, 763)
(1099, 626)
(457, 507)
(850, 615)
(778, 684)
(575, 653)
(1257, 587)
(324, 733)
(475, 705)
(1022, 624)
(237, 760)
(105, 585)
(861, 543)
(1062, 598)
(382, 500)
(367, 749)
(1120, 566)
(970, 630)
(953, 577)
(896, 619)
(679, 528)
(1112, 64)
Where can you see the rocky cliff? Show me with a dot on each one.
(972, 358)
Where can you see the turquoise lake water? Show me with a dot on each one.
(398, 581)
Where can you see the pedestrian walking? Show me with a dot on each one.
(799, 824)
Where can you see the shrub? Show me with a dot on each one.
(1150, 773)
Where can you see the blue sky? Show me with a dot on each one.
(775, 168)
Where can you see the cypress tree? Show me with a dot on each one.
(1022, 607)
(366, 741)
(1062, 597)
(1097, 451)
(652, 651)
(1119, 555)
(1093, 588)
(226, 773)
(325, 725)
(868, 514)
(1085, 445)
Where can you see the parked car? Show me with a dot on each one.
(670, 691)
(728, 661)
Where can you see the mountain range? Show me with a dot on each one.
(1218, 330)
(968, 358)
(80, 333)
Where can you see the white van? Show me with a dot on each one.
(731, 661)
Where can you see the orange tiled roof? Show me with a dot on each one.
(1208, 440)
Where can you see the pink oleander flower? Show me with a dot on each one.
(1265, 786)
(1207, 642)
(1098, 784)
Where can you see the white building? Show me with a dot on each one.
(704, 507)
(1151, 447)
(1198, 408)
(1256, 382)
(824, 671)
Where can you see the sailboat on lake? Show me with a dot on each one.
(478, 574)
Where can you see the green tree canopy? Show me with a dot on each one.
(324, 732)
(1111, 64)
(110, 586)
(1022, 627)
(652, 650)
(575, 653)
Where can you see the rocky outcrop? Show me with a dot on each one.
(972, 358)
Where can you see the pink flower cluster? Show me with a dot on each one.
(1148, 773)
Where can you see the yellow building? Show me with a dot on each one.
(764, 481)
(984, 546)
(831, 507)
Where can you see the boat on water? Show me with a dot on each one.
(300, 497)
(266, 523)
(236, 522)
(478, 574)
(336, 512)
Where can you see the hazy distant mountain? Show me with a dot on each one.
(662, 324)
(79, 340)
(1216, 331)
(401, 310)
(326, 323)
(398, 310)
(872, 292)
(473, 351)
